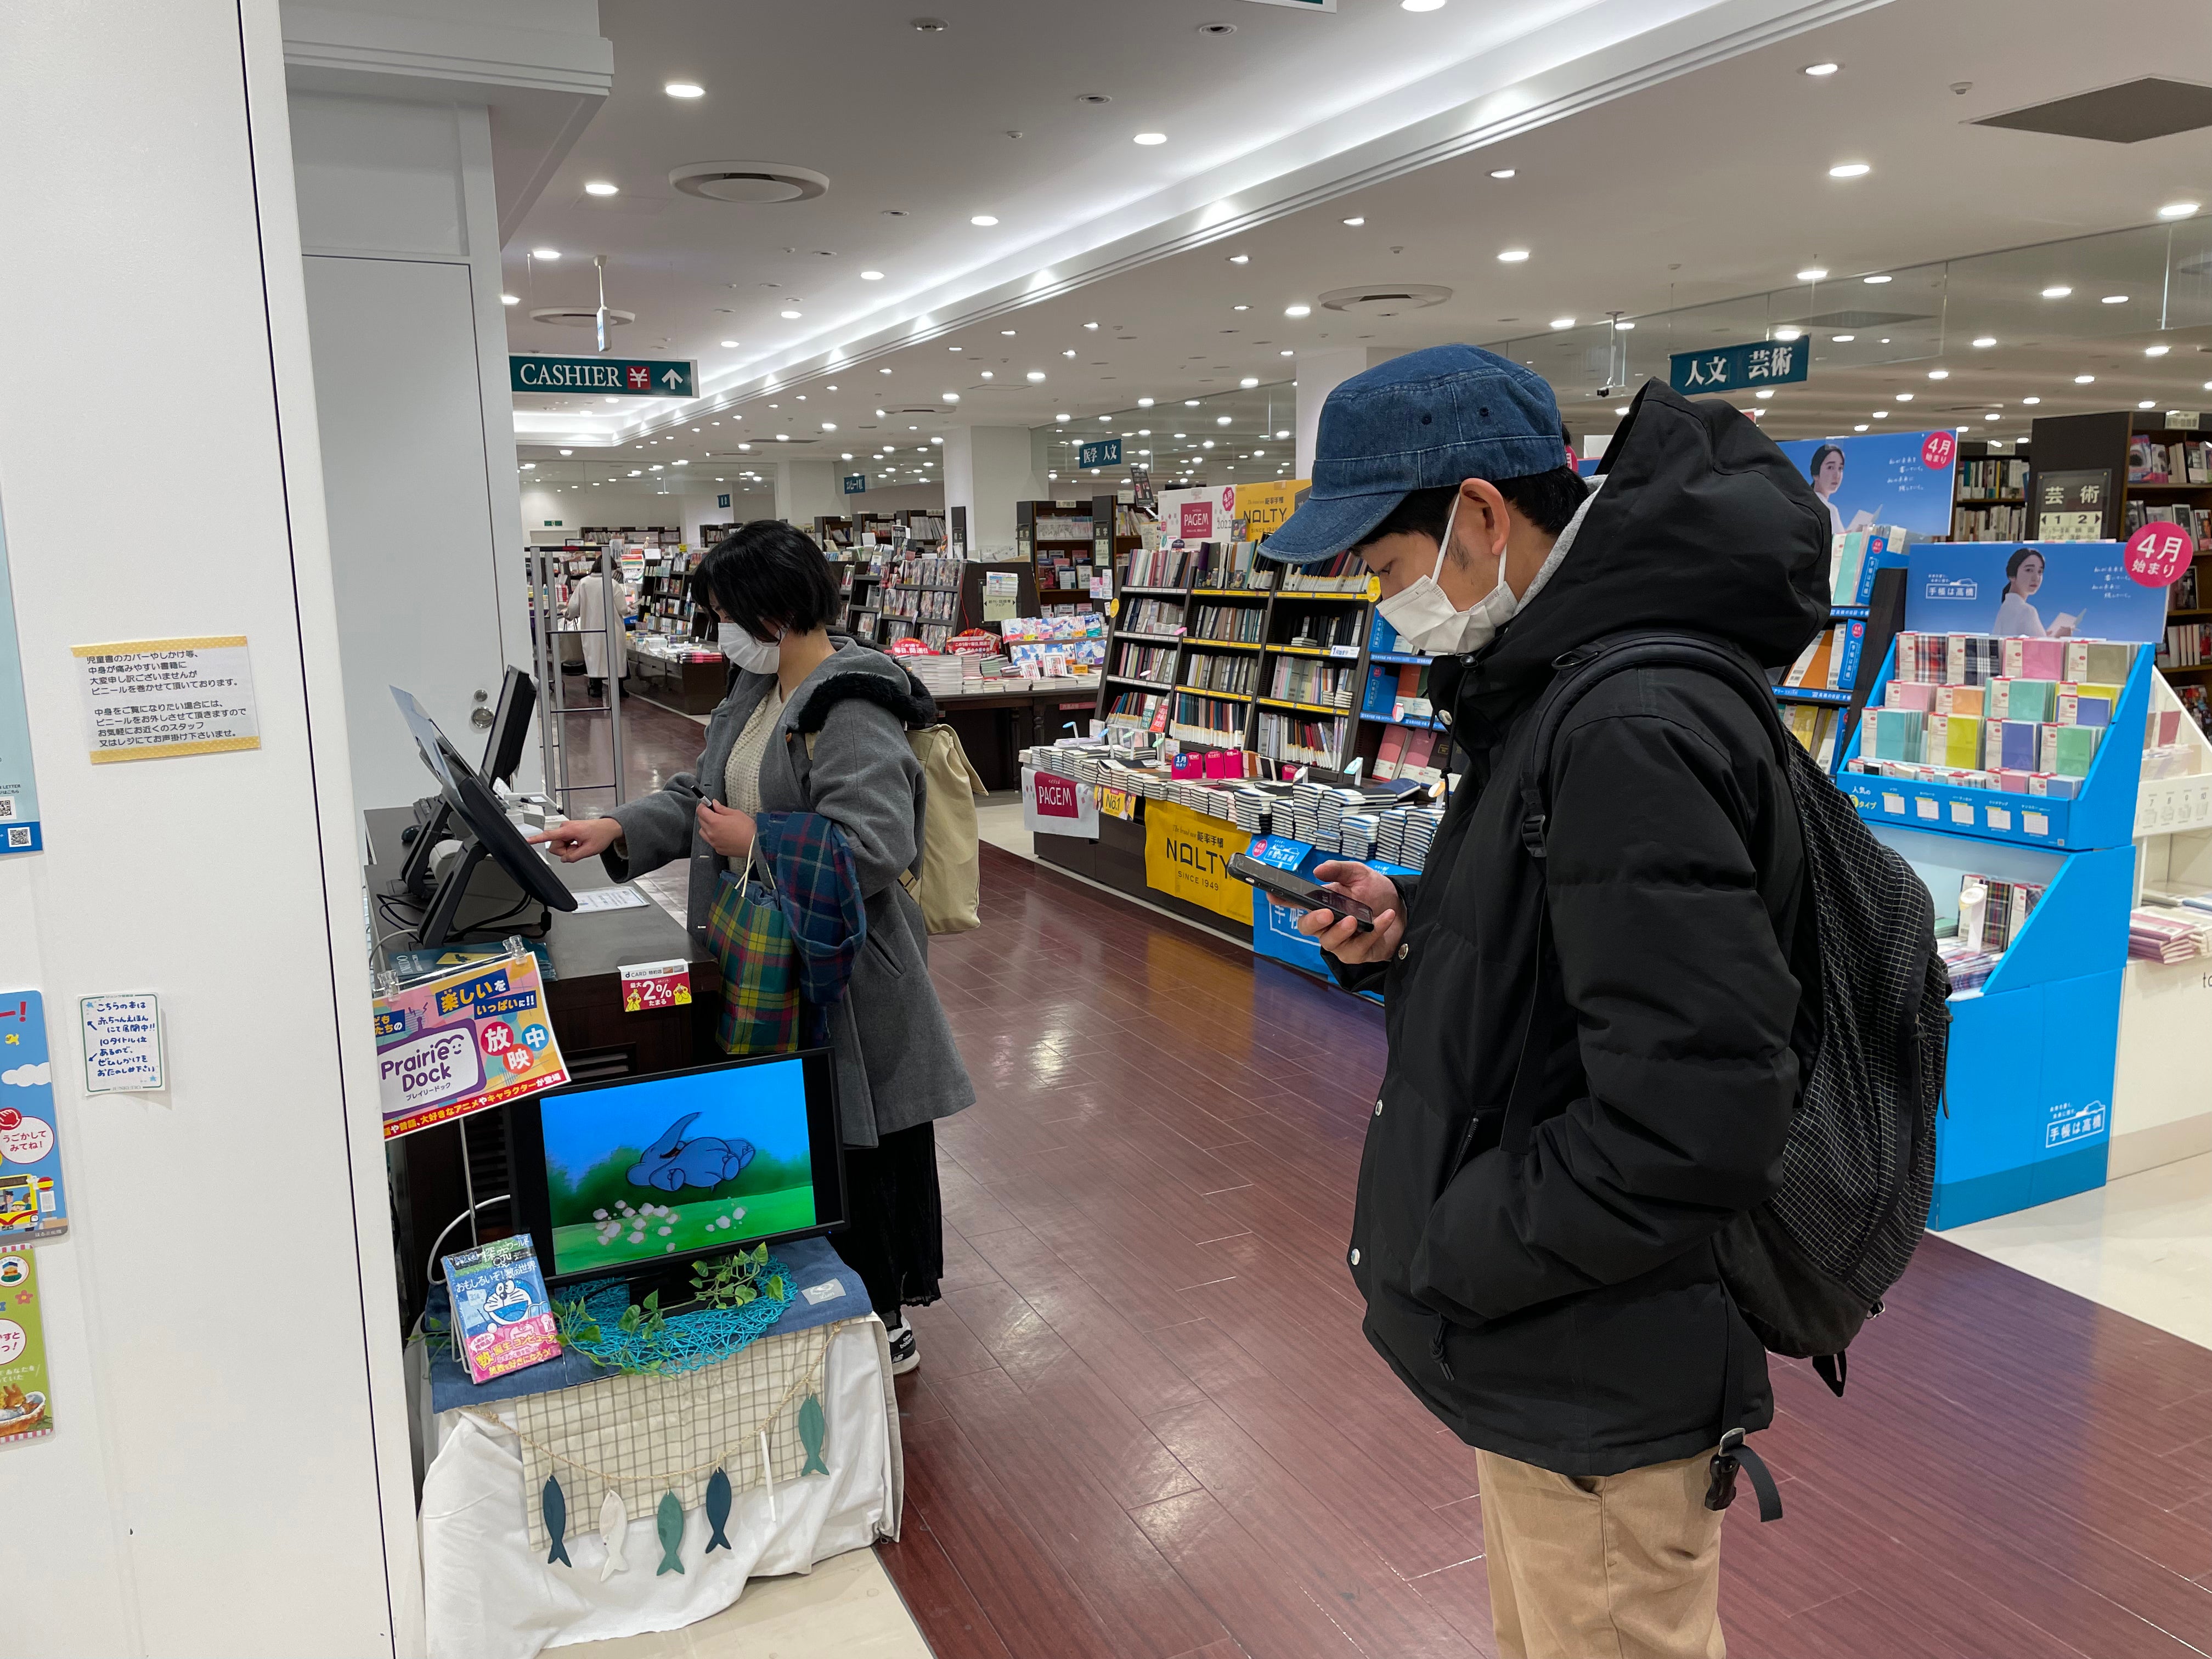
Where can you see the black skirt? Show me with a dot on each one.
(896, 1239)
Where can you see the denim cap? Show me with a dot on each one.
(1430, 418)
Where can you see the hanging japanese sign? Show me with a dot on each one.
(613, 377)
(1730, 369)
(463, 1042)
(25, 1414)
(1107, 452)
(32, 1205)
(856, 483)
(163, 699)
(18, 789)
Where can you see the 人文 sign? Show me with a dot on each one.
(1730, 369)
(1107, 452)
(612, 377)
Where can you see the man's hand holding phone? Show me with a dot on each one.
(1339, 935)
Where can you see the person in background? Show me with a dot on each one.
(1553, 1296)
(599, 603)
(813, 724)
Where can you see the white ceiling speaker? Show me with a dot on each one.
(1385, 299)
(580, 316)
(748, 182)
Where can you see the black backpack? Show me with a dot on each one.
(1808, 1268)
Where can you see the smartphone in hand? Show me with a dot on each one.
(1300, 891)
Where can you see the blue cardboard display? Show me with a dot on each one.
(1275, 925)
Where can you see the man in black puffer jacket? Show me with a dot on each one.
(1556, 1301)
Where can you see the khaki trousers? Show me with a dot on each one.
(1616, 1566)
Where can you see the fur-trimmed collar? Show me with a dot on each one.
(911, 703)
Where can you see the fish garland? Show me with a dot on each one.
(718, 1511)
(668, 1521)
(614, 1521)
(812, 1429)
(554, 1507)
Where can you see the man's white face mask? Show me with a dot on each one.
(1425, 618)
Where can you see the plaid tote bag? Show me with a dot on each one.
(750, 937)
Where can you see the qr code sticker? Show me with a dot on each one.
(7, 806)
(19, 836)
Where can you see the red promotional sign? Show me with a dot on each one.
(2158, 554)
(908, 647)
(1940, 450)
(1055, 796)
(1197, 520)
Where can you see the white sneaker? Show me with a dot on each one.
(906, 1352)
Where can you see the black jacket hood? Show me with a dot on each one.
(1703, 524)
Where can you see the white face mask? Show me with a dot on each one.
(1426, 619)
(754, 656)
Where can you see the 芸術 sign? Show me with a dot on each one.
(612, 377)
(856, 483)
(1107, 452)
(1729, 369)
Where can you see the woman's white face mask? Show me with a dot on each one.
(1426, 619)
(754, 656)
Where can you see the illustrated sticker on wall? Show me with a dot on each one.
(33, 1207)
(20, 830)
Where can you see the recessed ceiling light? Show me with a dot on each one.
(1035, 374)
(1860, 427)
(2085, 380)
(2154, 351)
(1882, 414)
(1562, 322)
(847, 456)
(2147, 402)
(1903, 397)
(1151, 138)
(1876, 281)
(1501, 173)
(1190, 403)
(788, 316)
(510, 299)
(1512, 255)
(1811, 274)
(1420, 5)
(987, 374)
(1063, 417)
(1818, 70)
(1284, 432)
(1143, 402)
(545, 253)
(1939, 374)
(883, 371)
(985, 220)
(1286, 352)
(1764, 392)
(1985, 340)
(2114, 300)
(829, 426)
(1850, 170)
(1297, 311)
(783, 437)
(2031, 400)
(1221, 420)
(728, 345)
(601, 187)
(1784, 332)
(568, 451)
(1240, 259)
(1630, 328)
(872, 276)
(685, 89)
(1355, 222)
(2178, 209)
(2058, 293)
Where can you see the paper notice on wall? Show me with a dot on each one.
(26, 1408)
(162, 699)
(122, 1042)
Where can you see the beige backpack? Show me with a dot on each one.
(950, 884)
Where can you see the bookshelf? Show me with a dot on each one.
(1989, 502)
(1062, 542)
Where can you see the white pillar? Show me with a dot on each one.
(987, 469)
(806, 490)
(1321, 372)
(229, 1468)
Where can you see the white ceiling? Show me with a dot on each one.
(1705, 179)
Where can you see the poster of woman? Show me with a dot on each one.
(1899, 480)
(2042, 590)
(2016, 610)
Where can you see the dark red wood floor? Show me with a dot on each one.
(1146, 1425)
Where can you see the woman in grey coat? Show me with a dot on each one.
(813, 724)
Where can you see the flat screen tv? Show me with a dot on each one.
(640, 1176)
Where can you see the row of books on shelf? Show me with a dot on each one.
(1977, 658)
(1063, 529)
(2028, 758)
(1853, 558)
(1238, 623)
(1302, 739)
(2196, 520)
(1054, 660)
(1085, 625)
(1999, 522)
(1830, 661)
(1209, 720)
(1347, 573)
(1061, 569)
(1815, 726)
(1415, 751)
(935, 605)
(2188, 645)
(929, 573)
(1311, 679)
(1232, 566)
(1991, 478)
(1151, 616)
(1233, 673)
(1145, 662)
(2171, 927)
(1330, 628)
(1991, 915)
(1398, 690)
(2150, 461)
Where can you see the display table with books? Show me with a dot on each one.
(675, 1488)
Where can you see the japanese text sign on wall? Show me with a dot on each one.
(159, 699)
(1107, 452)
(1730, 369)
(122, 1043)
(856, 483)
(2071, 506)
(613, 377)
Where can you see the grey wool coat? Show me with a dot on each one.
(897, 1064)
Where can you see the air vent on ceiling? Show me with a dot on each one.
(1860, 319)
(748, 182)
(580, 316)
(2152, 108)
(1385, 299)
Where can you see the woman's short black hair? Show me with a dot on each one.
(2013, 563)
(1546, 500)
(768, 578)
(1813, 466)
